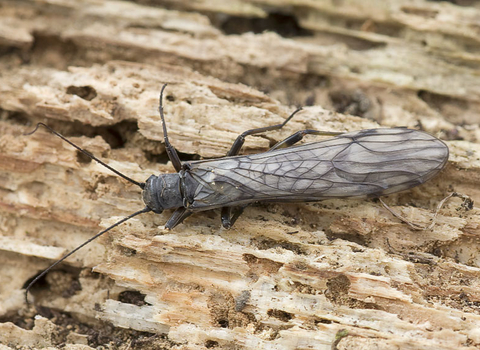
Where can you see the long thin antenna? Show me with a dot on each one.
(144, 210)
(88, 154)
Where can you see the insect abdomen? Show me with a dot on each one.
(365, 163)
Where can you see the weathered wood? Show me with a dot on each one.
(287, 276)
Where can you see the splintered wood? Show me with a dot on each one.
(341, 274)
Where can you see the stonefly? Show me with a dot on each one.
(366, 163)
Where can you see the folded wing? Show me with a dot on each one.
(366, 163)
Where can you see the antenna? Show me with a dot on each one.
(88, 154)
(140, 184)
(44, 272)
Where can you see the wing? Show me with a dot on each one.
(366, 163)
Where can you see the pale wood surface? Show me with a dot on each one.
(293, 276)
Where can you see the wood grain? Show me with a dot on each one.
(340, 274)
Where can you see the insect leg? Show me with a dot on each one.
(237, 145)
(293, 139)
(177, 217)
(171, 152)
(227, 220)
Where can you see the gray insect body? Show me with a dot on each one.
(366, 163)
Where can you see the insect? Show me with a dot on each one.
(365, 163)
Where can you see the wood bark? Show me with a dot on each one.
(338, 274)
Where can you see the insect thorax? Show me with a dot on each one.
(163, 192)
